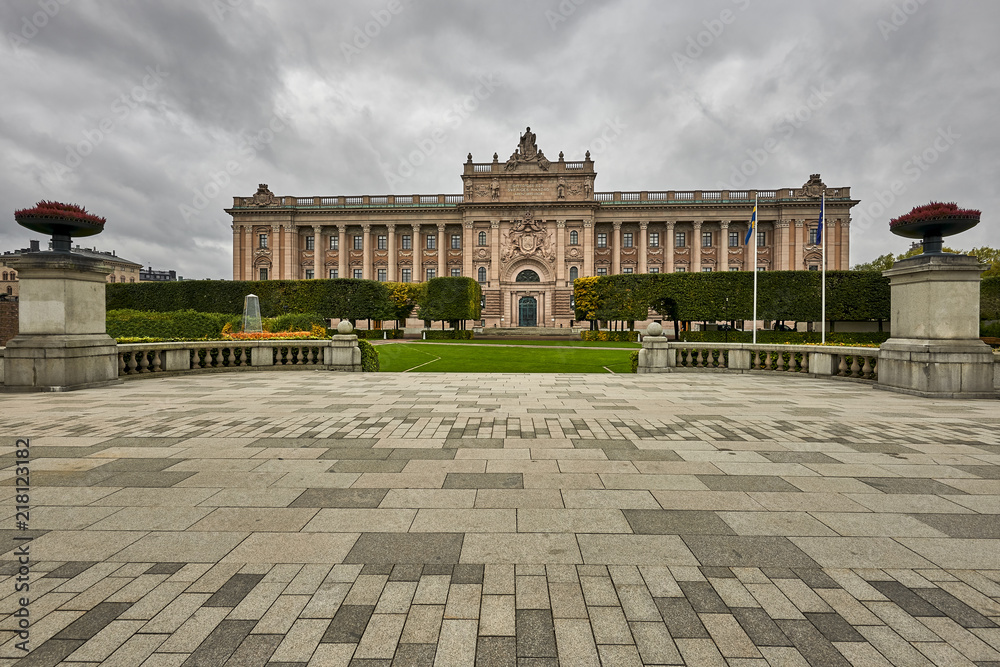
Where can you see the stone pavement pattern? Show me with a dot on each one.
(309, 518)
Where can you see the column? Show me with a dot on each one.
(342, 251)
(392, 255)
(696, 246)
(442, 248)
(366, 251)
(616, 248)
(248, 248)
(798, 240)
(560, 252)
(668, 247)
(238, 233)
(722, 253)
(495, 258)
(845, 244)
(318, 252)
(417, 270)
(467, 248)
(275, 242)
(290, 251)
(643, 246)
(780, 246)
(588, 247)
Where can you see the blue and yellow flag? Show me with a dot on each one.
(753, 225)
(819, 227)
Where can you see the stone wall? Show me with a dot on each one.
(8, 320)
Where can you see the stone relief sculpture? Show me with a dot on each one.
(527, 238)
(527, 152)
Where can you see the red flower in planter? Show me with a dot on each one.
(53, 210)
(934, 211)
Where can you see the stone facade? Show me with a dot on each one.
(527, 227)
(121, 269)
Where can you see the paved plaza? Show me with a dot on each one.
(317, 518)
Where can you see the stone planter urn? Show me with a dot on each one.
(931, 223)
(62, 343)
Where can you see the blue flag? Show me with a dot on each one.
(752, 226)
(819, 227)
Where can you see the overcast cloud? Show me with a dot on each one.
(143, 110)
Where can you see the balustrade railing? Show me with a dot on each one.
(856, 363)
(142, 358)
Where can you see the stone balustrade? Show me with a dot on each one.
(145, 358)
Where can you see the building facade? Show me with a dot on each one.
(122, 270)
(527, 227)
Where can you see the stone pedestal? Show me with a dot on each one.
(935, 349)
(343, 353)
(63, 342)
(656, 355)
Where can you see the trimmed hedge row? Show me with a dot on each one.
(372, 334)
(448, 334)
(178, 325)
(634, 359)
(451, 299)
(989, 298)
(619, 336)
(787, 337)
(369, 357)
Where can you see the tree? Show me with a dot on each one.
(989, 256)
(885, 262)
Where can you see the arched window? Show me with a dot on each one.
(10, 290)
(482, 274)
(111, 278)
(5, 275)
(574, 273)
(482, 238)
(574, 237)
(527, 276)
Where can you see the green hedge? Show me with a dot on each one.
(343, 298)
(293, 322)
(369, 357)
(448, 334)
(372, 334)
(989, 298)
(618, 336)
(450, 299)
(177, 325)
(780, 337)
(633, 357)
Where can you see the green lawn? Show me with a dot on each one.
(421, 357)
(547, 343)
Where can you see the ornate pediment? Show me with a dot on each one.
(814, 187)
(527, 238)
(263, 197)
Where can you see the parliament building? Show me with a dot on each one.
(527, 227)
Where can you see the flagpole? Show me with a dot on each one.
(822, 240)
(753, 239)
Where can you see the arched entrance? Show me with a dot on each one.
(527, 312)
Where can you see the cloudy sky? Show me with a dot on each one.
(155, 114)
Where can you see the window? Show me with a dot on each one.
(654, 239)
(654, 269)
(627, 240)
(706, 269)
(431, 273)
(111, 278)
(382, 277)
(407, 242)
(574, 273)
(681, 269)
(482, 273)
(406, 275)
(482, 238)
(706, 239)
(574, 237)
(602, 271)
(262, 273)
(310, 243)
(456, 241)
(602, 240)
(527, 276)
(627, 269)
(734, 268)
(359, 274)
(310, 274)
(10, 290)
(813, 240)
(383, 242)
(813, 267)
(359, 242)
(5, 275)
(734, 239)
(431, 242)
(334, 274)
(263, 240)
(334, 243)
(456, 273)
(761, 268)
(680, 239)
(761, 239)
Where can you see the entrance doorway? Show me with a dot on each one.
(527, 310)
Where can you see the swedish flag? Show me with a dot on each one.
(753, 225)
(819, 227)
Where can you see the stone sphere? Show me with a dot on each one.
(654, 329)
(344, 328)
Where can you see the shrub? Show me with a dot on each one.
(177, 325)
(785, 337)
(369, 357)
(634, 359)
(619, 336)
(372, 334)
(450, 299)
(448, 334)
(294, 322)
